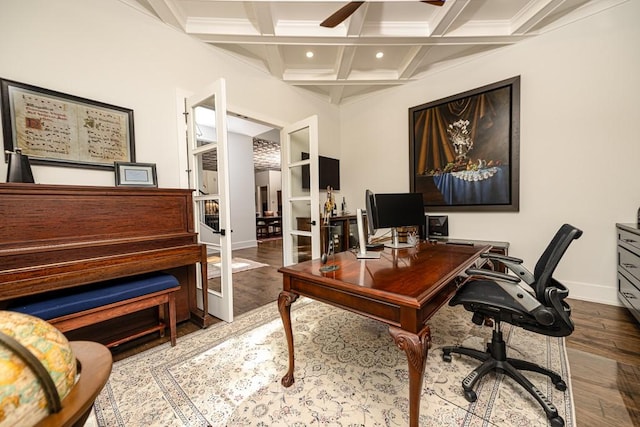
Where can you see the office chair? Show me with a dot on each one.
(503, 298)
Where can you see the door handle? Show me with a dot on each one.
(222, 232)
(312, 222)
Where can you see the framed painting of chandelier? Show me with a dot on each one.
(464, 150)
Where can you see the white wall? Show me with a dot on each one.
(241, 189)
(273, 181)
(579, 143)
(108, 51)
(275, 185)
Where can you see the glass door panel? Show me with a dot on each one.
(302, 226)
(299, 145)
(300, 185)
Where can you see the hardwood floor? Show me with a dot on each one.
(255, 288)
(604, 357)
(603, 351)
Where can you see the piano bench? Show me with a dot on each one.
(69, 309)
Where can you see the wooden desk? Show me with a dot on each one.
(403, 288)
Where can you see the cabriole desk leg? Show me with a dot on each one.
(285, 299)
(416, 348)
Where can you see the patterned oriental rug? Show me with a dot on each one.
(348, 373)
(237, 265)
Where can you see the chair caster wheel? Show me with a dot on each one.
(446, 357)
(556, 422)
(470, 395)
(561, 385)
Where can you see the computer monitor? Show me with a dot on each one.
(370, 203)
(393, 210)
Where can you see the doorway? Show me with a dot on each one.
(254, 263)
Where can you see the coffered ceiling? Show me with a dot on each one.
(413, 38)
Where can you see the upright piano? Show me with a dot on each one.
(54, 237)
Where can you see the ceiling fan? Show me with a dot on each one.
(345, 11)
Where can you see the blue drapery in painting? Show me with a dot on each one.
(491, 191)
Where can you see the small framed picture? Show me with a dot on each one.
(136, 174)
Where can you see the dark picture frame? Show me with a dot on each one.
(58, 129)
(464, 150)
(135, 174)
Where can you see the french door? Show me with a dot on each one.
(301, 209)
(209, 163)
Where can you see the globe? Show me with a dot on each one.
(22, 399)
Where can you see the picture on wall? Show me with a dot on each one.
(136, 174)
(464, 150)
(59, 129)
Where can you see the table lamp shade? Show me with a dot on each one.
(19, 169)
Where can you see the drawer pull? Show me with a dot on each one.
(627, 265)
(628, 295)
(629, 241)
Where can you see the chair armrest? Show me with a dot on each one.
(492, 275)
(500, 257)
(513, 264)
(556, 295)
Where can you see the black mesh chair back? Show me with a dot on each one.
(550, 258)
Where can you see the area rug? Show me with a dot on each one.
(237, 265)
(348, 373)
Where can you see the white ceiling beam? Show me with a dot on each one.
(530, 16)
(362, 41)
(350, 82)
(345, 61)
(261, 13)
(448, 15)
(412, 61)
(169, 12)
(275, 64)
(233, 27)
(356, 22)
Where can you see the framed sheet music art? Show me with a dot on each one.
(55, 128)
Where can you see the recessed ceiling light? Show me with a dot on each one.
(309, 54)
(379, 55)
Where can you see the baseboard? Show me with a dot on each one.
(244, 244)
(592, 292)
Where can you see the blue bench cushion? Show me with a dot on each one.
(60, 303)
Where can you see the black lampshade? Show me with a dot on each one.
(19, 169)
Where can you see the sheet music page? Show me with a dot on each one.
(45, 127)
(104, 133)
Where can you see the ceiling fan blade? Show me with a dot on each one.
(435, 3)
(343, 13)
